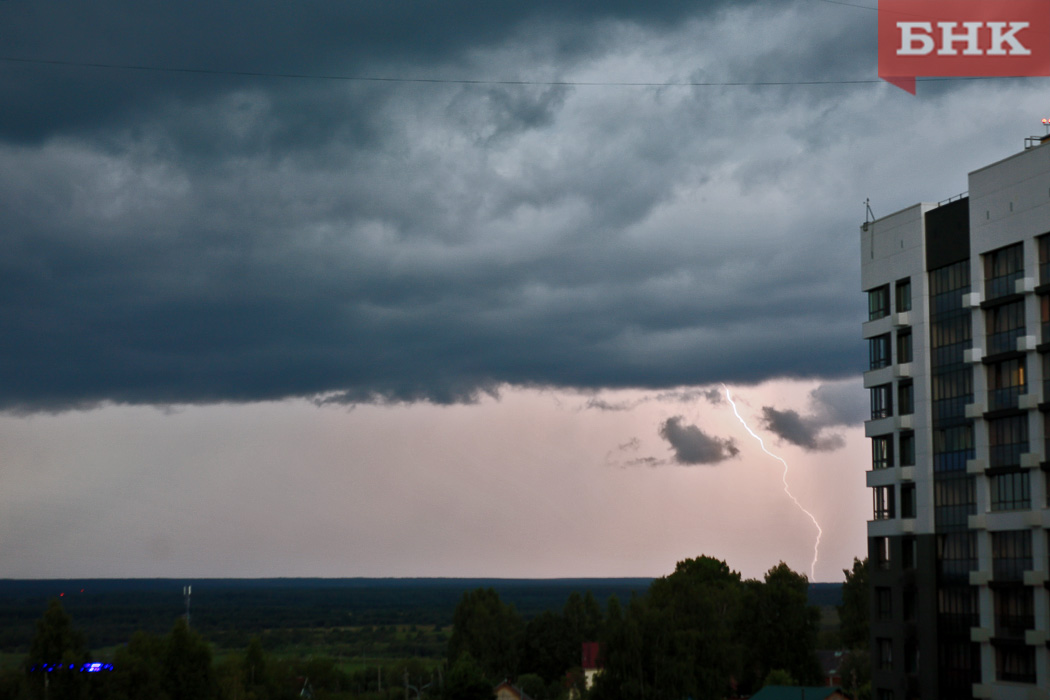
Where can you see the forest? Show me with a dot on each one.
(700, 632)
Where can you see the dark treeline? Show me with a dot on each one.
(230, 611)
(701, 632)
(180, 666)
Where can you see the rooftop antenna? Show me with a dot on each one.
(869, 219)
(186, 591)
(1033, 141)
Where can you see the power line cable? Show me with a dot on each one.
(448, 81)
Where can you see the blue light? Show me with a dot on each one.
(89, 667)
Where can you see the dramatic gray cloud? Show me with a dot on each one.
(692, 445)
(832, 405)
(226, 236)
(712, 396)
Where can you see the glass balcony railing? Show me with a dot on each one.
(1006, 455)
(1007, 397)
(1004, 341)
(1001, 286)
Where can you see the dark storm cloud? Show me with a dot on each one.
(176, 238)
(712, 396)
(804, 432)
(396, 38)
(692, 445)
(832, 406)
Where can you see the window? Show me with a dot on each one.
(1010, 491)
(883, 603)
(882, 452)
(905, 398)
(950, 392)
(954, 499)
(1044, 318)
(1011, 554)
(1014, 611)
(882, 497)
(908, 503)
(879, 302)
(909, 560)
(885, 650)
(907, 449)
(952, 447)
(879, 351)
(1006, 382)
(1044, 258)
(1015, 663)
(1046, 378)
(957, 609)
(882, 552)
(1005, 324)
(911, 656)
(904, 350)
(881, 401)
(903, 294)
(957, 557)
(1001, 268)
(1007, 440)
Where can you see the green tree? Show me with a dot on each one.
(778, 676)
(854, 613)
(779, 627)
(678, 640)
(57, 642)
(188, 672)
(138, 669)
(489, 630)
(532, 685)
(856, 673)
(547, 648)
(466, 680)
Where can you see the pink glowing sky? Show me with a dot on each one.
(535, 484)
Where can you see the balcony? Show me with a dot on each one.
(1005, 397)
(1003, 285)
(1008, 455)
(1013, 626)
(1004, 341)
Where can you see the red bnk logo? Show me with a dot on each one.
(1007, 38)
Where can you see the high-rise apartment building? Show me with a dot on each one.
(958, 334)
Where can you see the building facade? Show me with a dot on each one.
(958, 336)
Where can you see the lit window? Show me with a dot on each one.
(1006, 383)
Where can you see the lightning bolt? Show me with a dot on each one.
(820, 532)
